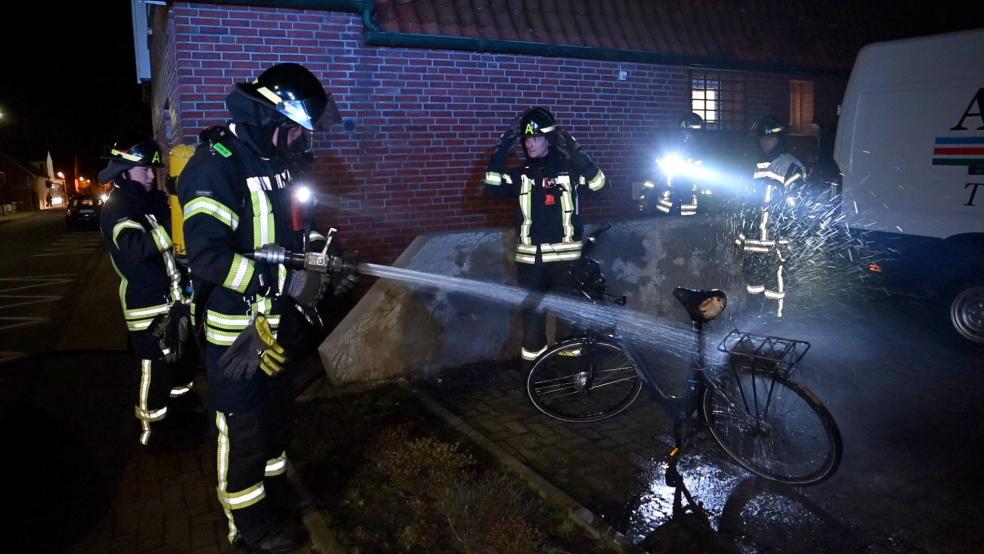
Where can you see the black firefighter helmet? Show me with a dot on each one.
(537, 121)
(768, 126)
(691, 122)
(144, 153)
(295, 93)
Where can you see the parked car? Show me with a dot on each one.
(83, 211)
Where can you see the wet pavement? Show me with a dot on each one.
(906, 397)
(76, 479)
(907, 401)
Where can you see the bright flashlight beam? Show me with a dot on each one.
(302, 194)
(674, 167)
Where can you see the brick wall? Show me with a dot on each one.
(164, 110)
(426, 120)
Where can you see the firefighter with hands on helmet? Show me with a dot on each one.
(136, 225)
(236, 197)
(548, 185)
(765, 235)
(677, 191)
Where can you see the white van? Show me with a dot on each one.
(910, 145)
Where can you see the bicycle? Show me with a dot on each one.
(767, 423)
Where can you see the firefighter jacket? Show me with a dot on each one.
(235, 201)
(548, 191)
(777, 188)
(136, 225)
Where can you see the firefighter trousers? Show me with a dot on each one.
(160, 383)
(541, 278)
(765, 273)
(251, 453)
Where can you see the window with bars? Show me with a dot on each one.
(719, 97)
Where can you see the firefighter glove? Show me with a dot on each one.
(254, 348)
(343, 282)
(172, 331)
(306, 287)
(569, 147)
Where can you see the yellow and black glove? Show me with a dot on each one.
(254, 348)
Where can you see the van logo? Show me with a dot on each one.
(967, 151)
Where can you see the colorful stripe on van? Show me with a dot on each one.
(958, 151)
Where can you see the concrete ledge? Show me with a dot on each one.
(398, 330)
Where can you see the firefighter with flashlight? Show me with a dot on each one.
(765, 235)
(236, 198)
(555, 174)
(676, 191)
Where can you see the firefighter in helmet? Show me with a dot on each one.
(136, 225)
(765, 236)
(555, 174)
(677, 190)
(236, 198)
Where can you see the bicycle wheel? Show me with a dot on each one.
(772, 427)
(581, 380)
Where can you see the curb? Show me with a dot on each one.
(321, 536)
(582, 516)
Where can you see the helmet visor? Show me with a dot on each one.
(310, 113)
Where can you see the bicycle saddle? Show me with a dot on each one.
(702, 305)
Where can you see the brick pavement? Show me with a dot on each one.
(79, 479)
(613, 468)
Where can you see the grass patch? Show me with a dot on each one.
(395, 478)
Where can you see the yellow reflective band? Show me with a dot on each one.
(207, 206)
(768, 175)
(526, 207)
(276, 466)
(754, 289)
(263, 225)
(315, 236)
(597, 182)
(145, 415)
(796, 177)
(269, 95)
(772, 295)
(526, 249)
(126, 156)
(562, 246)
(222, 469)
(161, 239)
(506, 179)
(146, 312)
(525, 259)
(180, 391)
(567, 205)
(561, 256)
(530, 355)
(244, 498)
(226, 321)
(493, 178)
(220, 338)
(547, 129)
(240, 273)
(139, 325)
(124, 225)
(649, 185)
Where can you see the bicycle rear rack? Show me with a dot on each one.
(764, 353)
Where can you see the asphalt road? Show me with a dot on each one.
(45, 274)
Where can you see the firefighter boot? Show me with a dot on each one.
(282, 539)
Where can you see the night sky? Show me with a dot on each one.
(68, 84)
